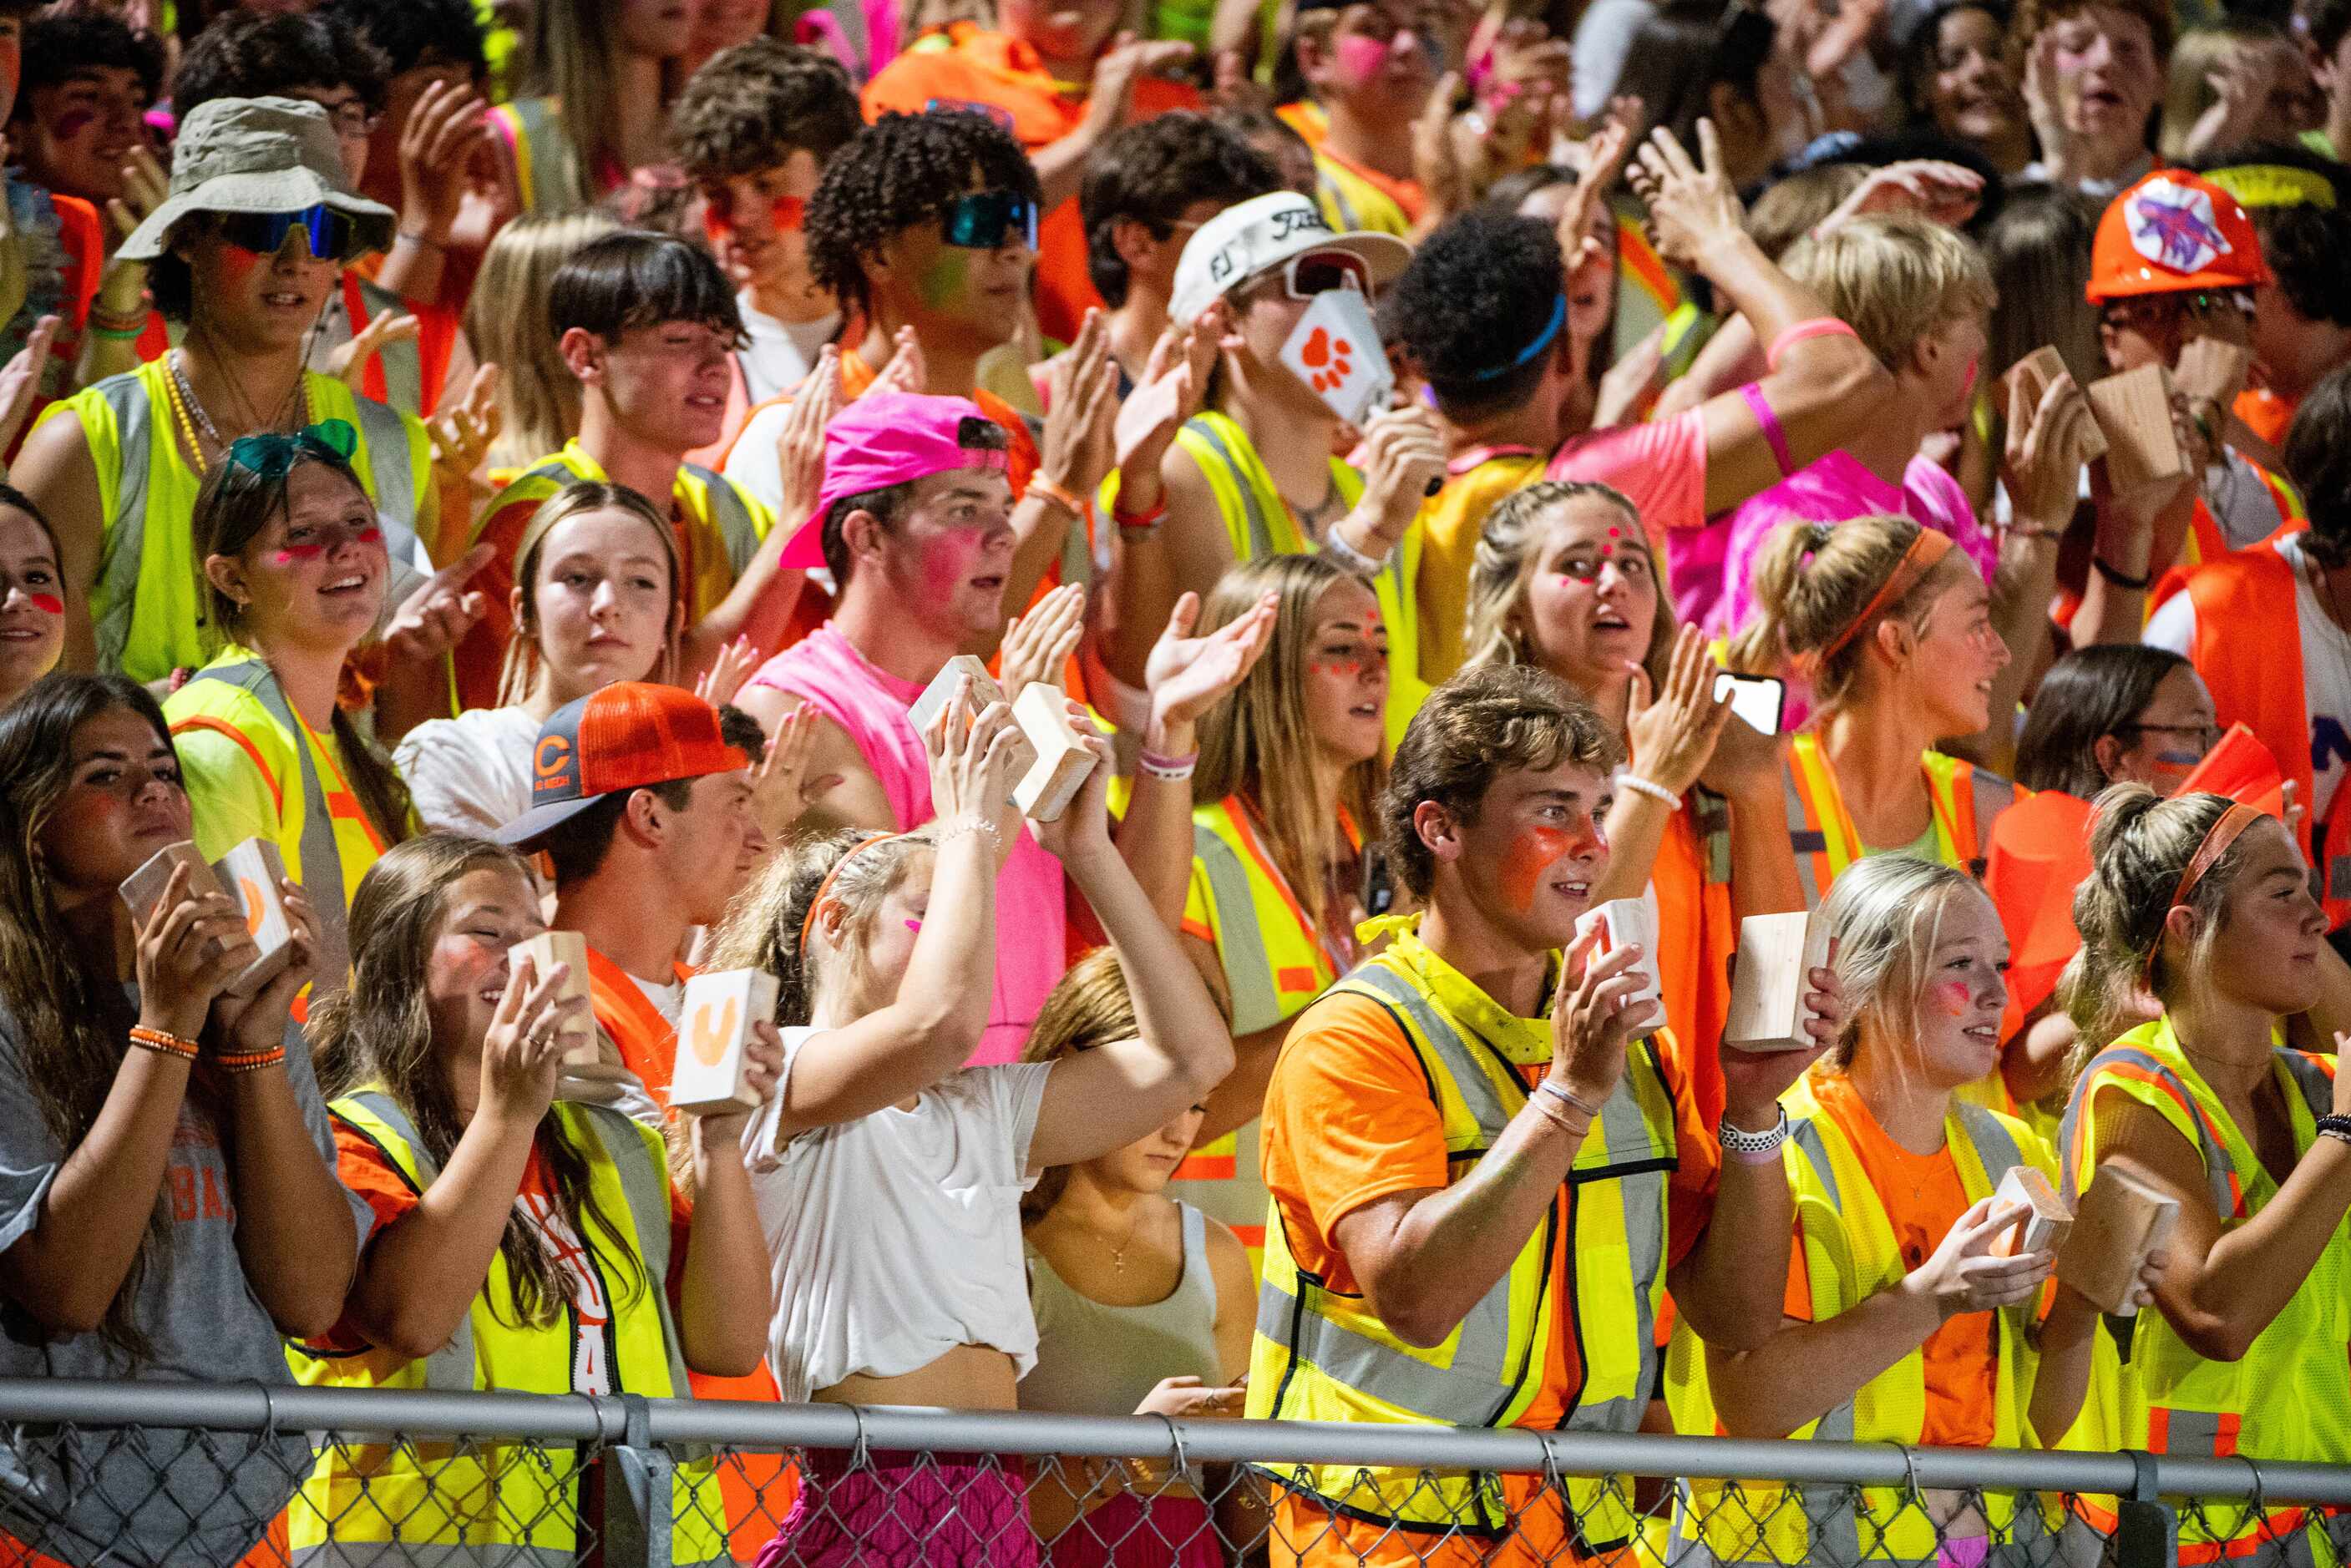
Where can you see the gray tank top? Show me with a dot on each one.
(1097, 1360)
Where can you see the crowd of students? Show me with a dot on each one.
(1455, 466)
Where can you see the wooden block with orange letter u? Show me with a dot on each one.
(713, 1024)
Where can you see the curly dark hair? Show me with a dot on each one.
(261, 54)
(751, 105)
(417, 33)
(62, 41)
(1150, 172)
(2306, 243)
(1477, 294)
(901, 171)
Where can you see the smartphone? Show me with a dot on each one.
(1379, 885)
(1759, 700)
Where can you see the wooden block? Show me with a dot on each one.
(2134, 410)
(713, 1023)
(2044, 1218)
(144, 887)
(1063, 761)
(2118, 1226)
(545, 950)
(1624, 922)
(250, 873)
(2030, 377)
(984, 690)
(1776, 955)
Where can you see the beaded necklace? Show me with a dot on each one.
(189, 412)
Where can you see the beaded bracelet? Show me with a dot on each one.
(963, 825)
(2336, 1127)
(162, 1043)
(250, 1061)
(1651, 788)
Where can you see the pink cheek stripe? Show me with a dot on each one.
(1953, 997)
(915, 926)
(47, 604)
(293, 553)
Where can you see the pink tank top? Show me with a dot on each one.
(1031, 918)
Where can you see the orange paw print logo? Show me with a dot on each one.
(1330, 360)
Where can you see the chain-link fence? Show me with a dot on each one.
(149, 1474)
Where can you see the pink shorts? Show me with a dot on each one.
(905, 1511)
(1130, 1532)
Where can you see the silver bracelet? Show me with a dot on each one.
(963, 825)
(1567, 1097)
(1345, 555)
(1651, 788)
(1753, 1149)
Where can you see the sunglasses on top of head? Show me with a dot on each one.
(1310, 273)
(333, 235)
(990, 220)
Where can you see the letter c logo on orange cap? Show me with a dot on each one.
(554, 751)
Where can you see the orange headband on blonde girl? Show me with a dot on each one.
(1924, 553)
(2233, 821)
(807, 922)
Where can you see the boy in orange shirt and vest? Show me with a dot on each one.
(1059, 90)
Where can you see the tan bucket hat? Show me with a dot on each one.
(257, 155)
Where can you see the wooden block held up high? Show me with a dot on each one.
(713, 1024)
(250, 873)
(2119, 1223)
(2030, 377)
(545, 950)
(1776, 955)
(1062, 761)
(1625, 923)
(2134, 410)
(984, 690)
(144, 886)
(2046, 1217)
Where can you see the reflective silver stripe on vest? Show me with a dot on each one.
(428, 1555)
(1324, 185)
(1260, 532)
(730, 517)
(1803, 839)
(126, 531)
(402, 360)
(1626, 1128)
(2217, 1169)
(1240, 943)
(556, 185)
(2318, 1088)
(322, 861)
(386, 435)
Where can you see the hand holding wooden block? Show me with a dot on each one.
(144, 887)
(2134, 410)
(2028, 379)
(1777, 955)
(2119, 1223)
(545, 950)
(250, 873)
(2043, 1218)
(1626, 922)
(984, 690)
(1064, 759)
(714, 1025)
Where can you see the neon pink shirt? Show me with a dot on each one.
(824, 671)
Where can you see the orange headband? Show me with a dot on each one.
(807, 922)
(2233, 821)
(1920, 559)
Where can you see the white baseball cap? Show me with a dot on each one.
(1263, 231)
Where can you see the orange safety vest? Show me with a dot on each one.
(406, 376)
(1695, 936)
(2205, 542)
(2256, 678)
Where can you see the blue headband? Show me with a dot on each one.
(1542, 341)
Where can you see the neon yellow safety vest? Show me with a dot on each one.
(1258, 523)
(522, 1500)
(1964, 798)
(1353, 204)
(1322, 1355)
(322, 832)
(2289, 1396)
(726, 524)
(1274, 964)
(548, 177)
(149, 592)
(1851, 1254)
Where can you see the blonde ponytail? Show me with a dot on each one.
(1814, 580)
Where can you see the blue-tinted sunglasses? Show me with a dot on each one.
(988, 220)
(331, 233)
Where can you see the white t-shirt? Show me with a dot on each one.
(2326, 671)
(668, 998)
(753, 464)
(780, 354)
(895, 1238)
(469, 774)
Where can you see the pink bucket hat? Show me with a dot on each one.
(885, 439)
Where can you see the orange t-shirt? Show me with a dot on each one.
(968, 67)
(1348, 1121)
(1923, 1198)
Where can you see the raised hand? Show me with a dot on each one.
(733, 665)
(1039, 644)
(1078, 427)
(1691, 203)
(1404, 465)
(1593, 1018)
(258, 1022)
(972, 755)
(1188, 675)
(1085, 827)
(1948, 193)
(800, 446)
(1175, 382)
(1673, 732)
(905, 371)
(463, 431)
(781, 791)
(20, 379)
(1128, 61)
(2043, 463)
(349, 364)
(444, 131)
(437, 615)
(523, 1049)
(190, 947)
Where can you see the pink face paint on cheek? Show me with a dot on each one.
(1362, 58)
(47, 604)
(948, 563)
(292, 553)
(1969, 385)
(1953, 997)
(915, 926)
